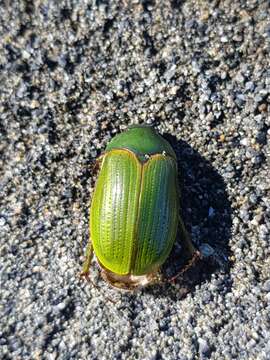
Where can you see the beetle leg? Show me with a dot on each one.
(195, 257)
(86, 266)
(186, 237)
(189, 248)
(88, 260)
(89, 248)
(96, 164)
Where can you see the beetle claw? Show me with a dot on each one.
(84, 276)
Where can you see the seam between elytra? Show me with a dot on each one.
(135, 232)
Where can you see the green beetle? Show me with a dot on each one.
(134, 214)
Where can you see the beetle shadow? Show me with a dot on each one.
(207, 215)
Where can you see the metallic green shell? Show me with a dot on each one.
(142, 140)
(134, 211)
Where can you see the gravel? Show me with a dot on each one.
(75, 73)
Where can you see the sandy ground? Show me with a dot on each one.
(72, 75)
